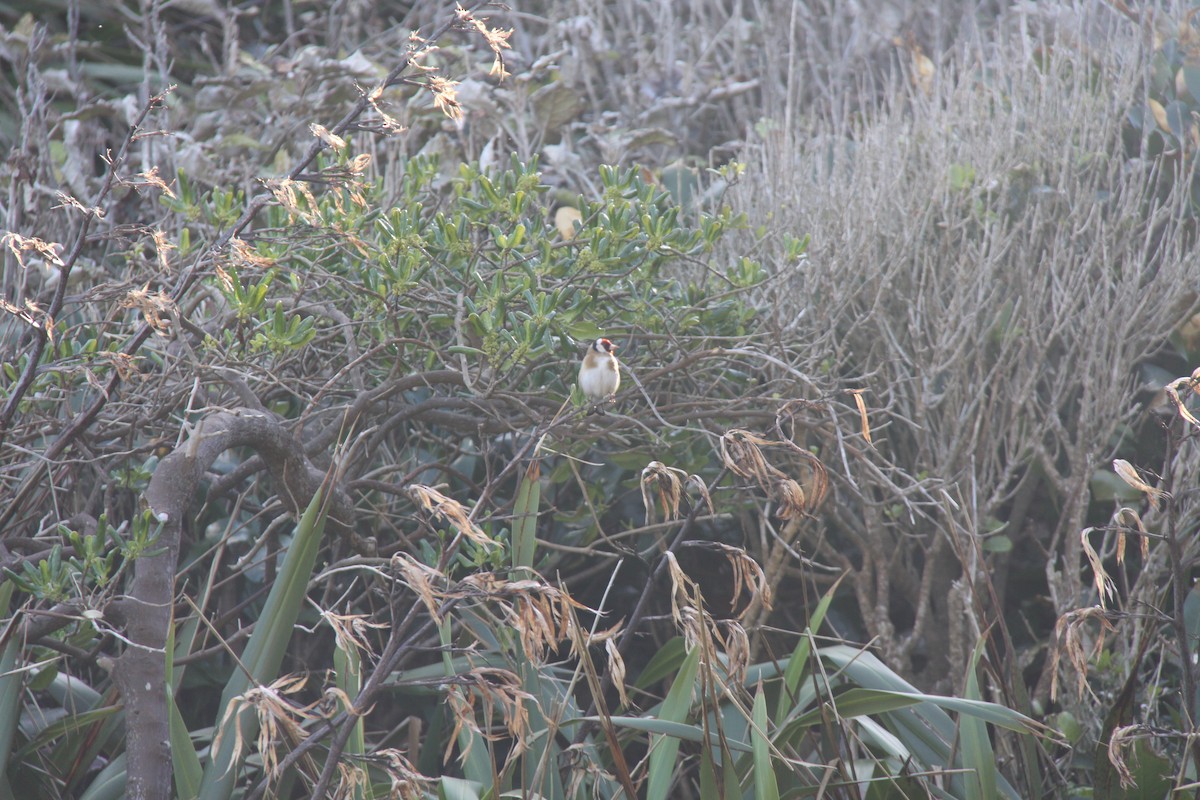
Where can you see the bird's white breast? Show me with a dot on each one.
(599, 377)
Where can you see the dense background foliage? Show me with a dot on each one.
(897, 498)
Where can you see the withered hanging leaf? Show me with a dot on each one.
(1172, 390)
(748, 575)
(1105, 587)
(280, 721)
(659, 479)
(790, 499)
(445, 97)
(1068, 638)
(18, 245)
(737, 647)
(420, 578)
(31, 315)
(1129, 518)
(450, 510)
(862, 412)
(67, 201)
(702, 490)
(123, 363)
(161, 248)
(817, 484)
(1128, 474)
(741, 453)
(1123, 737)
(151, 178)
(331, 139)
(153, 305)
(687, 610)
(289, 192)
(349, 630)
(616, 668)
(497, 39)
(407, 783)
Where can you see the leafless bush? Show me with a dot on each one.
(990, 268)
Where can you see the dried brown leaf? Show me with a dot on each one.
(421, 579)
(741, 453)
(497, 40)
(349, 630)
(736, 644)
(151, 178)
(789, 499)
(1172, 392)
(1127, 473)
(406, 782)
(1068, 638)
(280, 721)
(352, 782)
(1105, 588)
(19, 245)
(31, 315)
(1124, 519)
(662, 481)
(1122, 738)
(702, 489)
(123, 363)
(245, 255)
(451, 510)
(686, 607)
(862, 412)
(161, 248)
(156, 307)
(331, 139)
(67, 201)
(616, 668)
(445, 97)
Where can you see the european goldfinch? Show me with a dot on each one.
(600, 374)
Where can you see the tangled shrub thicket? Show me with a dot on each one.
(387, 347)
(1006, 281)
(927, 400)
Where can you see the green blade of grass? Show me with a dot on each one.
(10, 687)
(267, 645)
(348, 668)
(794, 670)
(476, 766)
(708, 776)
(976, 748)
(765, 786)
(525, 514)
(663, 663)
(109, 784)
(664, 748)
(11, 683)
(662, 727)
(185, 764)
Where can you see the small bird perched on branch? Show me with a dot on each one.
(600, 373)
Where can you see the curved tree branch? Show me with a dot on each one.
(140, 672)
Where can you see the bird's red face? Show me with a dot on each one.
(605, 345)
